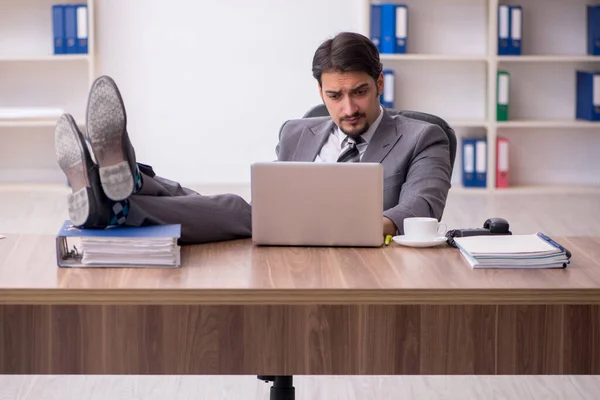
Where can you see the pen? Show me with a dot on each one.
(388, 239)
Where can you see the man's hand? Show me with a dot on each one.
(389, 228)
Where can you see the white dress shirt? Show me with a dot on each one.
(338, 142)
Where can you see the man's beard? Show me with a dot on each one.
(359, 132)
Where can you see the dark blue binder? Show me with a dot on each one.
(66, 258)
(468, 162)
(474, 162)
(503, 30)
(388, 28)
(593, 30)
(588, 96)
(375, 25)
(394, 28)
(481, 153)
(82, 29)
(516, 30)
(71, 29)
(389, 89)
(58, 28)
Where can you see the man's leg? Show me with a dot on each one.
(203, 218)
(141, 198)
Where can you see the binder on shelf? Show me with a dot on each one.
(387, 98)
(502, 96)
(70, 29)
(394, 28)
(375, 25)
(593, 30)
(468, 162)
(516, 30)
(588, 96)
(472, 162)
(119, 246)
(503, 30)
(82, 29)
(502, 168)
(58, 28)
(480, 162)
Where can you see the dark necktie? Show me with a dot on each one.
(351, 153)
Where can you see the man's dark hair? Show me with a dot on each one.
(347, 52)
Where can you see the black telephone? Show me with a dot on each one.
(491, 226)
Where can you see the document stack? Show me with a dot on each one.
(513, 251)
(119, 246)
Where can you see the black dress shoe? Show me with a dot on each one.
(88, 205)
(107, 132)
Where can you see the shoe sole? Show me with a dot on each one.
(106, 124)
(70, 157)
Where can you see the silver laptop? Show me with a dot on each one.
(317, 204)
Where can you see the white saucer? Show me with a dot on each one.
(403, 240)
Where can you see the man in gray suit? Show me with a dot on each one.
(110, 188)
(415, 154)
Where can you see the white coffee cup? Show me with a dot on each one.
(421, 228)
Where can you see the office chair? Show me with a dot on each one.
(321, 111)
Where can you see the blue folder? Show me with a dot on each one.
(82, 29)
(375, 26)
(516, 30)
(593, 30)
(388, 97)
(67, 257)
(503, 30)
(588, 96)
(474, 162)
(394, 28)
(71, 29)
(58, 28)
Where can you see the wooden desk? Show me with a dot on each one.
(238, 309)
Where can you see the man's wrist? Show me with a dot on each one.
(389, 228)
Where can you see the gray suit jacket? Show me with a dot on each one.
(414, 154)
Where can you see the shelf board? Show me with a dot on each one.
(465, 123)
(45, 57)
(548, 189)
(549, 58)
(566, 123)
(32, 123)
(431, 57)
(458, 189)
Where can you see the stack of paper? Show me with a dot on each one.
(513, 251)
(123, 251)
(147, 246)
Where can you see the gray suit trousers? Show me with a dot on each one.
(203, 218)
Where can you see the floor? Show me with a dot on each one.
(307, 388)
(42, 208)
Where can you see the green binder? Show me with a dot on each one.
(502, 95)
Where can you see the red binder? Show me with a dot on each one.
(502, 162)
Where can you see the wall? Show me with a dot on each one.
(208, 84)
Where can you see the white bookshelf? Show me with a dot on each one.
(432, 57)
(45, 57)
(450, 70)
(31, 75)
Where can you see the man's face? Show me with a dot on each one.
(352, 99)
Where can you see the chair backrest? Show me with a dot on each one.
(321, 111)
